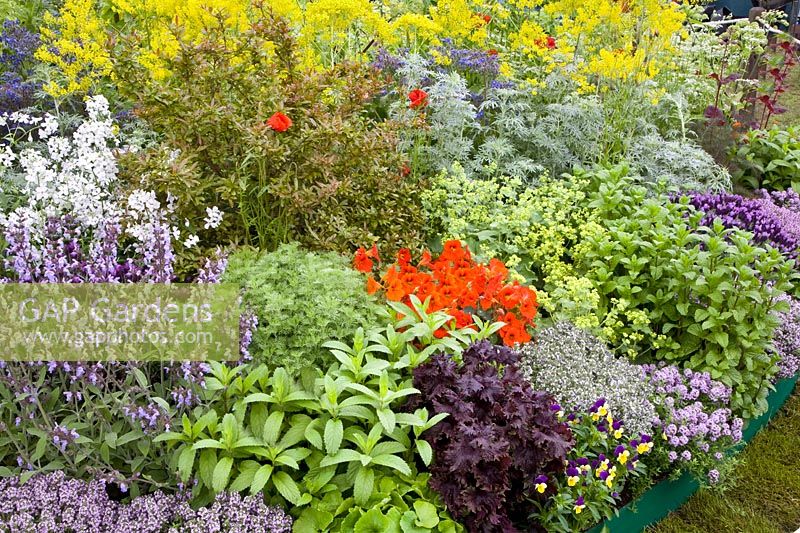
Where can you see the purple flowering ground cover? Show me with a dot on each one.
(54, 503)
(765, 497)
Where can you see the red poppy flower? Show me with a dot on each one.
(487, 19)
(279, 122)
(551, 43)
(362, 262)
(492, 52)
(418, 98)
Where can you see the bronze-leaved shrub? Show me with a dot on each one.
(331, 177)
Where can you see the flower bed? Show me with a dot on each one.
(668, 495)
(463, 266)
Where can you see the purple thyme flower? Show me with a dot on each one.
(694, 413)
(55, 503)
(786, 338)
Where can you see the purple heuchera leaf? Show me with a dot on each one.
(500, 436)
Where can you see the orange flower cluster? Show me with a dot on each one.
(458, 285)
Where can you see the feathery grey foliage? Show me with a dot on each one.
(682, 163)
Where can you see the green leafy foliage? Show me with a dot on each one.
(637, 269)
(769, 159)
(301, 299)
(691, 295)
(335, 446)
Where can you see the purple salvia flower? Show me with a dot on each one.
(63, 436)
(213, 268)
(158, 256)
(103, 264)
(21, 256)
(248, 322)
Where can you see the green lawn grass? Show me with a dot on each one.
(791, 101)
(766, 497)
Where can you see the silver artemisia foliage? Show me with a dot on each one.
(682, 163)
(577, 369)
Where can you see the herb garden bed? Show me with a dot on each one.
(392, 266)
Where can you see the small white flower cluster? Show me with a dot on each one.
(65, 174)
(577, 369)
(143, 209)
(213, 218)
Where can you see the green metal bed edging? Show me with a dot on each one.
(668, 495)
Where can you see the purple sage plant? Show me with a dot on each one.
(107, 412)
